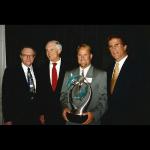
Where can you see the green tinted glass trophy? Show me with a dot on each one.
(79, 96)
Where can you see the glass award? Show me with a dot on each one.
(79, 96)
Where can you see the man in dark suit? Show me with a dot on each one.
(19, 92)
(124, 103)
(98, 82)
(52, 75)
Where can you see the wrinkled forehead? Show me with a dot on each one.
(51, 45)
(27, 51)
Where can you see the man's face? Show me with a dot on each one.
(84, 57)
(117, 49)
(27, 56)
(52, 52)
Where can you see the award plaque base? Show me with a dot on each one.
(76, 118)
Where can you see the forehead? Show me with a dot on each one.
(84, 50)
(50, 45)
(115, 40)
(27, 50)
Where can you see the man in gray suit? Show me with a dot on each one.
(98, 81)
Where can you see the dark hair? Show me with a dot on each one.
(117, 37)
(27, 47)
(84, 46)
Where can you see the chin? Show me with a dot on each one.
(28, 64)
(116, 58)
(83, 66)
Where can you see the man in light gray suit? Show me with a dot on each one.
(98, 81)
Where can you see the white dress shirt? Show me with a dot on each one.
(57, 68)
(121, 62)
(85, 70)
(25, 69)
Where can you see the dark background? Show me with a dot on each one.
(18, 36)
(70, 36)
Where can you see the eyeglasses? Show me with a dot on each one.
(31, 56)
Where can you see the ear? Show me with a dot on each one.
(91, 56)
(125, 47)
(20, 57)
(59, 51)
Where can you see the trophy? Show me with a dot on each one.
(79, 95)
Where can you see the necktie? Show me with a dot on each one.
(30, 81)
(114, 77)
(54, 76)
(82, 73)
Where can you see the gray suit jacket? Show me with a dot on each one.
(98, 102)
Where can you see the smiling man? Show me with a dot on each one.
(98, 82)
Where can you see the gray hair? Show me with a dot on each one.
(58, 45)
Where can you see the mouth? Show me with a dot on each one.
(115, 54)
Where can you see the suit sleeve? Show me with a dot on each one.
(101, 105)
(64, 92)
(7, 95)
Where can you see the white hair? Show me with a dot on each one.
(58, 45)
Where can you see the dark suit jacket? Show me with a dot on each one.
(17, 105)
(49, 100)
(124, 105)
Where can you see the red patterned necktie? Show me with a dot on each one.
(54, 76)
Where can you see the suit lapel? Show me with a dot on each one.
(61, 76)
(90, 72)
(23, 78)
(35, 71)
(76, 72)
(122, 75)
(123, 71)
(48, 76)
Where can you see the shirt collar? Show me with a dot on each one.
(122, 60)
(58, 62)
(26, 67)
(85, 69)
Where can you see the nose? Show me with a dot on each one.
(28, 56)
(82, 57)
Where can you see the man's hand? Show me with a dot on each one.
(89, 119)
(65, 111)
(8, 123)
(42, 119)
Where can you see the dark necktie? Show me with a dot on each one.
(54, 76)
(82, 73)
(30, 81)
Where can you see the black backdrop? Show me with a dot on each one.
(137, 36)
(36, 36)
(17, 36)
